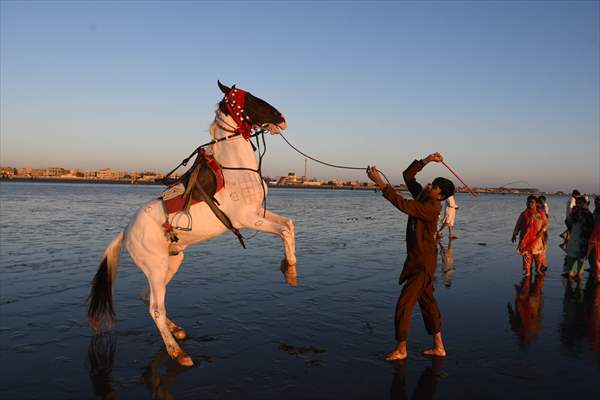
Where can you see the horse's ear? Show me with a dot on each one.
(223, 88)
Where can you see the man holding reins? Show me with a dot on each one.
(420, 264)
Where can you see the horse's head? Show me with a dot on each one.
(249, 111)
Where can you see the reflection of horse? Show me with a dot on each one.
(526, 318)
(159, 384)
(149, 236)
(101, 356)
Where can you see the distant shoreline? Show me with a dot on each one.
(141, 182)
(275, 186)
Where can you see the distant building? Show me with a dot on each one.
(107, 173)
(311, 182)
(7, 172)
(55, 171)
(292, 179)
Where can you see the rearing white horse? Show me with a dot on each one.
(241, 199)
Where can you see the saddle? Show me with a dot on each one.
(199, 184)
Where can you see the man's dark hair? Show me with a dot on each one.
(445, 185)
(582, 200)
(575, 193)
(531, 197)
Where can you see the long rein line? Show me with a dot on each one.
(329, 164)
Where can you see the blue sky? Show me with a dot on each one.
(507, 91)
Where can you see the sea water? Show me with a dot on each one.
(254, 337)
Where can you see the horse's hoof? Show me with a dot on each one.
(179, 333)
(184, 360)
(289, 273)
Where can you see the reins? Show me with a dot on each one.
(187, 159)
(367, 168)
(329, 164)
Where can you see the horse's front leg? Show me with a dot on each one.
(280, 219)
(288, 265)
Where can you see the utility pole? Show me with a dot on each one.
(305, 169)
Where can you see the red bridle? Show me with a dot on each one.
(234, 101)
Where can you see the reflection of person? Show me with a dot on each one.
(530, 227)
(426, 386)
(526, 318)
(581, 315)
(419, 267)
(591, 298)
(580, 223)
(447, 256)
(449, 217)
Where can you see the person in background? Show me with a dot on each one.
(596, 212)
(543, 206)
(449, 218)
(571, 202)
(530, 226)
(580, 223)
(593, 250)
(421, 259)
(565, 235)
(542, 200)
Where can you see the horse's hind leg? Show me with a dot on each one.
(158, 312)
(174, 264)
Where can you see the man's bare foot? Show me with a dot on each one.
(434, 352)
(396, 356)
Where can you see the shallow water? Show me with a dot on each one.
(253, 336)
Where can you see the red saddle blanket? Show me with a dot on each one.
(210, 179)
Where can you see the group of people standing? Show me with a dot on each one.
(582, 237)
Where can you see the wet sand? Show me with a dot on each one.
(253, 336)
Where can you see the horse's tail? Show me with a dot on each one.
(100, 310)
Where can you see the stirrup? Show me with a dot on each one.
(182, 221)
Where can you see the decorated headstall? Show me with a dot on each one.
(234, 102)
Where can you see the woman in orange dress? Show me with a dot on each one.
(531, 226)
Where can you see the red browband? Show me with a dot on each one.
(234, 101)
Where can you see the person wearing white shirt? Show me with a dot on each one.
(449, 217)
